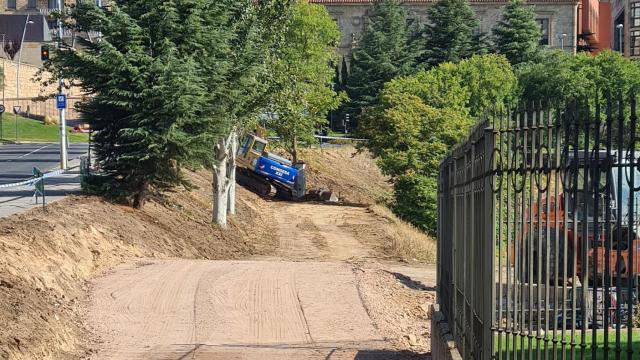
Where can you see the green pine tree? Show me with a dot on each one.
(167, 79)
(384, 52)
(517, 34)
(450, 35)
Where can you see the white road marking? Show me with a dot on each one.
(33, 152)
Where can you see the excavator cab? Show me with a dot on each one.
(251, 148)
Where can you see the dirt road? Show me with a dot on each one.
(320, 298)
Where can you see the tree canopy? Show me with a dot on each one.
(420, 117)
(517, 34)
(385, 51)
(451, 34)
(165, 79)
(303, 77)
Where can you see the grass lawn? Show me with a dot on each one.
(35, 131)
(518, 351)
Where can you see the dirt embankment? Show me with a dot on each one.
(49, 261)
(352, 175)
(47, 258)
(356, 178)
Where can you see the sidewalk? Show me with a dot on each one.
(19, 199)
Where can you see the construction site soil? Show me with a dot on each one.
(93, 279)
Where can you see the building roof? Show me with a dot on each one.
(12, 26)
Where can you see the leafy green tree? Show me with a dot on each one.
(517, 34)
(491, 83)
(451, 34)
(384, 52)
(303, 76)
(420, 117)
(165, 79)
(555, 76)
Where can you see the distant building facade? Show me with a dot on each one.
(595, 26)
(558, 19)
(40, 29)
(625, 15)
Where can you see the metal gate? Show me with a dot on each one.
(538, 251)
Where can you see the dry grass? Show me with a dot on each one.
(405, 241)
(353, 176)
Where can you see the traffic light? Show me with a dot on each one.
(44, 52)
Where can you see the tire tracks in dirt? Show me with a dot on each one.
(303, 304)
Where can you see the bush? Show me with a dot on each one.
(420, 117)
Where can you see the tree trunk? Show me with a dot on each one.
(141, 196)
(231, 198)
(220, 196)
(294, 153)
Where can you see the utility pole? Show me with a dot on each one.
(3, 95)
(24, 33)
(63, 122)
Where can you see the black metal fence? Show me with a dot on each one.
(539, 233)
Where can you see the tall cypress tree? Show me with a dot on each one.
(344, 74)
(451, 34)
(384, 52)
(517, 34)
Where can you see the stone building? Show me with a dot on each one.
(40, 28)
(557, 18)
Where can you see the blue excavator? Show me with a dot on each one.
(259, 170)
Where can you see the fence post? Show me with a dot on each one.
(488, 245)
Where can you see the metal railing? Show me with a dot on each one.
(539, 233)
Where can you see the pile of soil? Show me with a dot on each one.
(47, 258)
(397, 305)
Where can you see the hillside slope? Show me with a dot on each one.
(49, 262)
(47, 258)
(356, 179)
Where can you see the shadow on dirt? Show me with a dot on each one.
(410, 283)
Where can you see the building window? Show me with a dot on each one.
(635, 42)
(635, 14)
(32, 4)
(11, 4)
(53, 4)
(544, 26)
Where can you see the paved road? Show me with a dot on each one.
(16, 164)
(18, 160)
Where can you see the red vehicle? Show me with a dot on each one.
(573, 214)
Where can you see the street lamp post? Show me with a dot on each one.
(620, 28)
(24, 33)
(562, 37)
(63, 123)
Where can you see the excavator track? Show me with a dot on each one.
(255, 184)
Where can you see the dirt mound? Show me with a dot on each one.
(46, 258)
(352, 175)
(397, 305)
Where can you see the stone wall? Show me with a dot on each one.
(30, 89)
(561, 14)
(442, 345)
